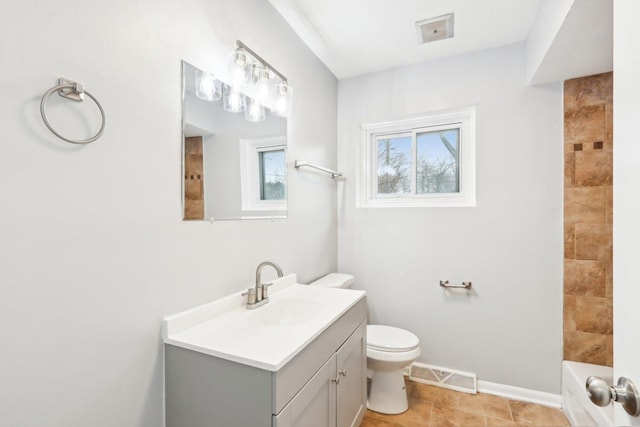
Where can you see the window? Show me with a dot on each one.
(419, 162)
(263, 167)
(271, 181)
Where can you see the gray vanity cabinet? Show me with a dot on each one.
(324, 385)
(352, 373)
(315, 404)
(336, 395)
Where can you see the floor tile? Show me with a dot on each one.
(431, 406)
(449, 417)
(440, 397)
(537, 415)
(486, 405)
(496, 422)
(370, 421)
(418, 414)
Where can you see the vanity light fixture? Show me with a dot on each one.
(233, 100)
(208, 87)
(254, 112)
(282, 100)
(264, 84)
(254, 87)
(238, 68)
(261, 77)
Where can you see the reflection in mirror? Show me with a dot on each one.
(235, 163)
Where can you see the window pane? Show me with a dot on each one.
(394, 165)
(437, 165)
(272, 173)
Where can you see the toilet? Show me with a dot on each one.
(389, 351)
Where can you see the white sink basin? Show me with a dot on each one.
(290, 311)
(266, 337)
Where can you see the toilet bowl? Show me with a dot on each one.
(389, 351)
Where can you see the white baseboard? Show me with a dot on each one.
(518, 393)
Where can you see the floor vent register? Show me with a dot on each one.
(443, 377)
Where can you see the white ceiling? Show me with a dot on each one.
(354, 37)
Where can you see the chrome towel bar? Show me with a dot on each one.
(74, 91)
(446, 284)
(301, 163)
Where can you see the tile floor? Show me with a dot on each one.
(438, 407)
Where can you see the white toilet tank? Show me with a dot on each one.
(335, 280)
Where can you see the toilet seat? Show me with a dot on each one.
(382, 338)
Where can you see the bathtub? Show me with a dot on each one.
(575, 402)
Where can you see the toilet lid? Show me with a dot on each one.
(388, 338)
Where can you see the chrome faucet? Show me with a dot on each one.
(259, 296)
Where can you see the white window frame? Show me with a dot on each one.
(367, 179)
(250, 173)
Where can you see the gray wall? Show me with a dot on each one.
(508, 330)
(93, 249)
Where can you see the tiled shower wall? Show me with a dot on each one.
(588, 204)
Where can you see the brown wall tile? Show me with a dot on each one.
(585, 347)
(568, 313)
(608, 125)
(586, 124)
(584, 204)
(594, 242)
(571, 88)
(569, 169)
(591, 90)
(585, 278)
(594, 315)
(588, 217)
(609, 281)
(569, 241)
(609, 203)
(593, 168)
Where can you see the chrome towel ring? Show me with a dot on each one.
(74, 91)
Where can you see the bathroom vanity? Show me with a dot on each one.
(299, 360)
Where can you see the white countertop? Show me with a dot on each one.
(266, 337)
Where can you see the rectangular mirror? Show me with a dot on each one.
(233, 166)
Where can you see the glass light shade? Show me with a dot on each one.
(238, 68)
(233, 100)
(282, 100)
(255, 112)
(262, 79)
(207, 86)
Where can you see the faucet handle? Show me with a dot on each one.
(264, 289)
(251, 295)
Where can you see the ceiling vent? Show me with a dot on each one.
(432, 29)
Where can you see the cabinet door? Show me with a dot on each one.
(315, 404)
(352, 372)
